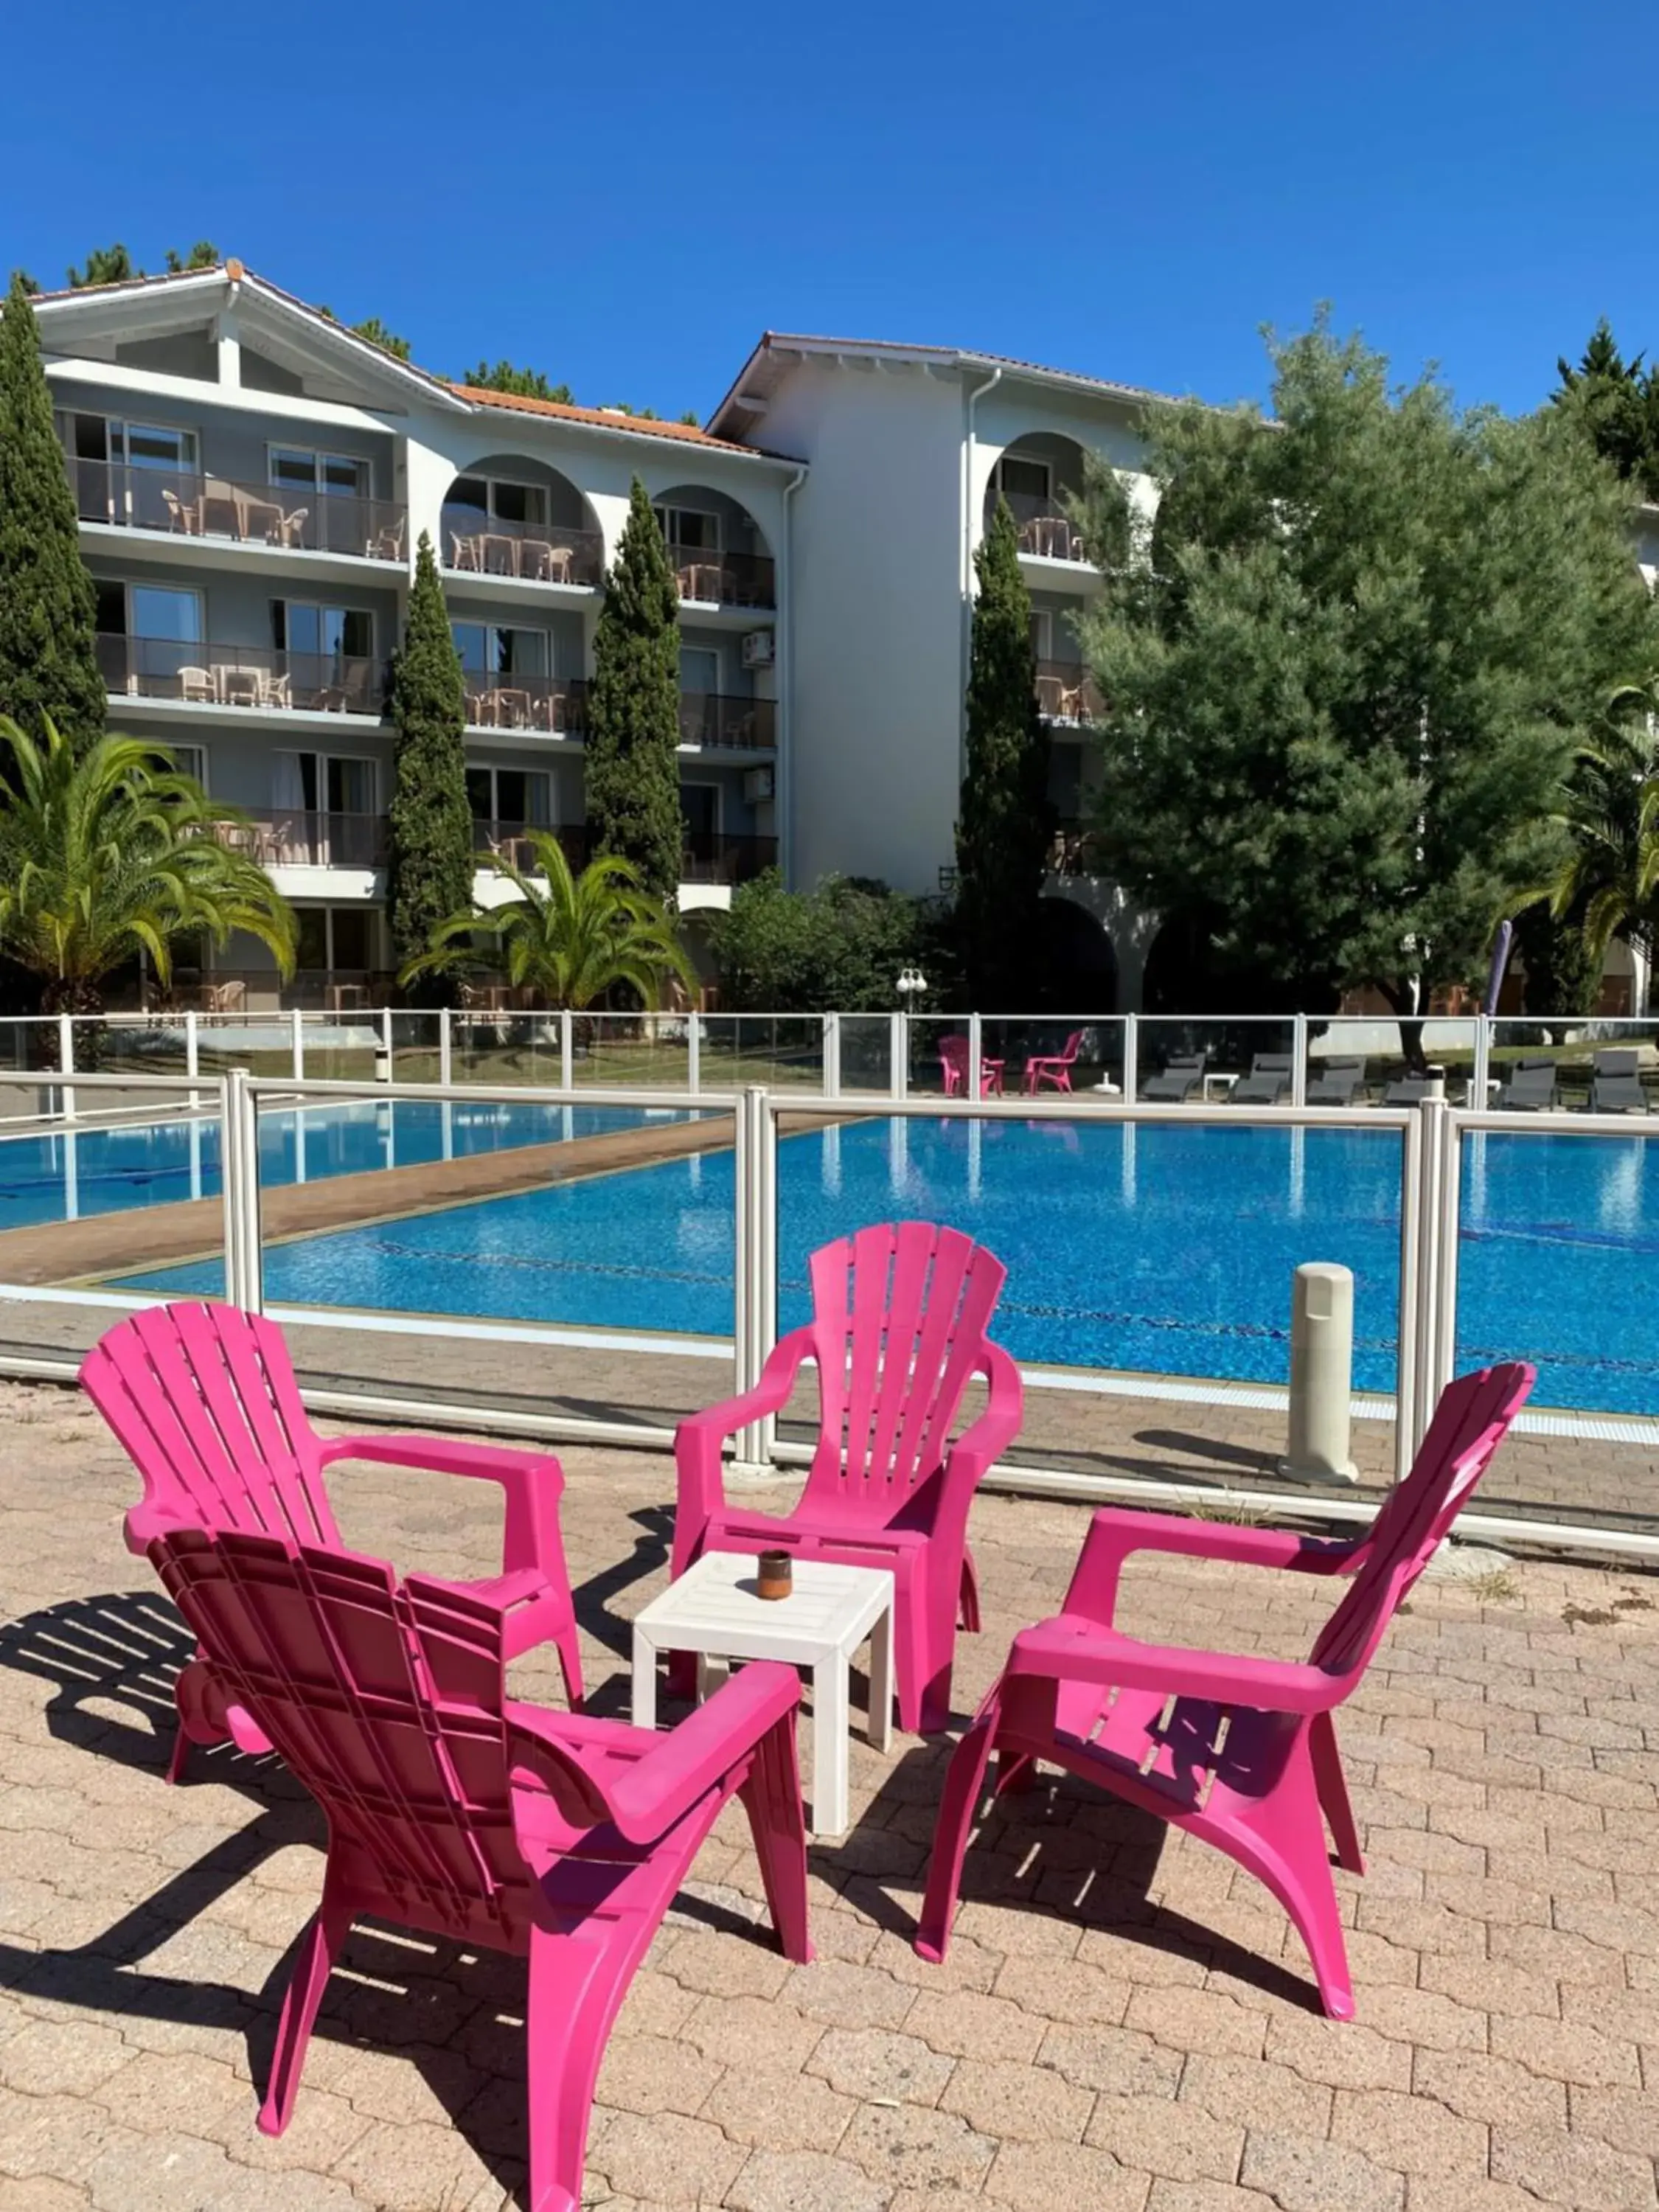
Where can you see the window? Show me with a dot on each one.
(330, 783)
(191, 760)
(112, 604)
(1043, 628)
(514, 796)
(330, 633)
(295, 468)
(700, 803)
(488, 650)
(155, 610)
(700, 669)
(1020, 479)
(153, 445)
(691, 527)
(338, 938)
(504, 502)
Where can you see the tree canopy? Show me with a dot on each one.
(1346, 670)
(522, 383)
(1617, 403)
(1004, 821)
(839, 948)
(633, 775)
(114, 265)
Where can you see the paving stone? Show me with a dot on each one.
(1151, 2136)
(872, 2063)
(916, 2147)
(670, 2158)
(1036, 2176)
(1490, 2090)
(1407, 2134)
(1567, 2051)
(1300, 2174)
(803, 2181)
(777, 2110)
(967, 2024)
(1114, 2062)
(1573, 2170)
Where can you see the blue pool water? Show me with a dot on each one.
(108, 1171)
(1163, 1249)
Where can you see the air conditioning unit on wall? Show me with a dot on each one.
(759, 648)
(758, 786)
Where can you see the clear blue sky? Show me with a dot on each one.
(625, 196)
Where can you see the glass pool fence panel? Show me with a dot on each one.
(568, 1259)
(931, 1040)
(783, 1052)
(344, 1047)
(1151, 1258)
(417, 1045)
(1551, 1261)
(651, 1050)
(260, 1044)
(866, 1052)
(28, 1048)
(1046, 1053)
(1384, 1055)
(1577, 1052)
(1228, 1046)
(88, 1210)
(506, 1049)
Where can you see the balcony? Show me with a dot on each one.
(510, 841)
(1046, 529)
(240, 676)
(1066, 692)
(307, 839)
(711, 856)
(725, 579)
(710, 719)
(535, 552)
(193, 507)
(555, 704)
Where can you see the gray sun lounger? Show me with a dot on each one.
(1407, 1090)
(1615, 1087)
(1338, 1083)
(1268, 1083)
(1182, 1080)
(1530, 1089)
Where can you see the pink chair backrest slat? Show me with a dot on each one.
(1470, 1422)
(901, 1314)
(385, 1702)
(1074, 1046)
(204, 1400)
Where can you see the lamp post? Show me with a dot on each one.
(910, 987)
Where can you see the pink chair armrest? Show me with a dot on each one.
(998, 1424)
(531, 1483)
(698, 1441)
(645, 1799)
(1065, 1649)
(1117, 1532)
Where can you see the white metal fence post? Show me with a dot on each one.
(1478, 1083)
(66, 1065)
(297, 1037)
(567, 1051)
(1445, 1258)
(192, 1053)
(693, 1050)
(1431, 1236)
(832, 1055)
(446, 1047)
(1410, 1271)
(1131, 1057)
(766, 1263)
(239, 1139)
(1299, 1063)
(898, 1072)
(383, 1061)
(975, 1032)
(749, 1296)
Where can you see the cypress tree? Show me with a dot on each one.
(1004, 828)
(48, 611)
(634, 708)
(430, 875)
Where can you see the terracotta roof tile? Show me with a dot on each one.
(609, 418)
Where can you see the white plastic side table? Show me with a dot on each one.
(714, 1611)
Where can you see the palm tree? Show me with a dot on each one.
(1610, 810)
(113, 853)
(567, 937)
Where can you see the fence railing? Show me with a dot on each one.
(287, 516)
(735, 579)
(557, 704)
(568, 1330)
(539, 552)
(189, 669)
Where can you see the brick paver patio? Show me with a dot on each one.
(1124, 2024)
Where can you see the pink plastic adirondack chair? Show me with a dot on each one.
(900, 1316)
(953, 1065)
(1053, 1067)
(204, 1398)
(456, 1810)
(1240, 1752)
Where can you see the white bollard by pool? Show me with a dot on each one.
(1321, 1374)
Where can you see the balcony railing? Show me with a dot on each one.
(265, 514)
(557, 704)
(729, 580)
(711, 719)
(712, 857)
(241, 675)
(1044, 528)
(511, 840)
(307, 838)
(1066, 692)
(541, 552)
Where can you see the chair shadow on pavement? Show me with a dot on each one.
(110, 1660)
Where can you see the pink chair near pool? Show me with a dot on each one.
(1053, 1067)
(1236, 1750)
(954, 1063)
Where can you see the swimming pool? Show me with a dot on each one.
(1158, 1250)
(70, 1175)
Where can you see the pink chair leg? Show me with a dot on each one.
(771, 1798)
(320, 1947)
(1015, 1776)
(964, 1780)
(969, 1612)
(1332, 1787)
(570, 1665)
(179, 1755)
(577, 1981)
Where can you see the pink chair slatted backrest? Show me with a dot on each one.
(953, 1059)
(1469, 1422)
(900, 1317)
(1074, 1046)
(204, 1400)
(385, 1702)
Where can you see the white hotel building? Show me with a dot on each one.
(252, 480)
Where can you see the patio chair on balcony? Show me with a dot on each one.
(547, 564)
(1269, 1082)
(1339, 1085)
(387, 543)
(470, 1815)
(901, 1314)
(1182, 1081)
(198, 684)
(1530, 1088)
(1615, 1085)
(204, 1400)
(291, 525)
(1237, 1750)
(181, 517)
